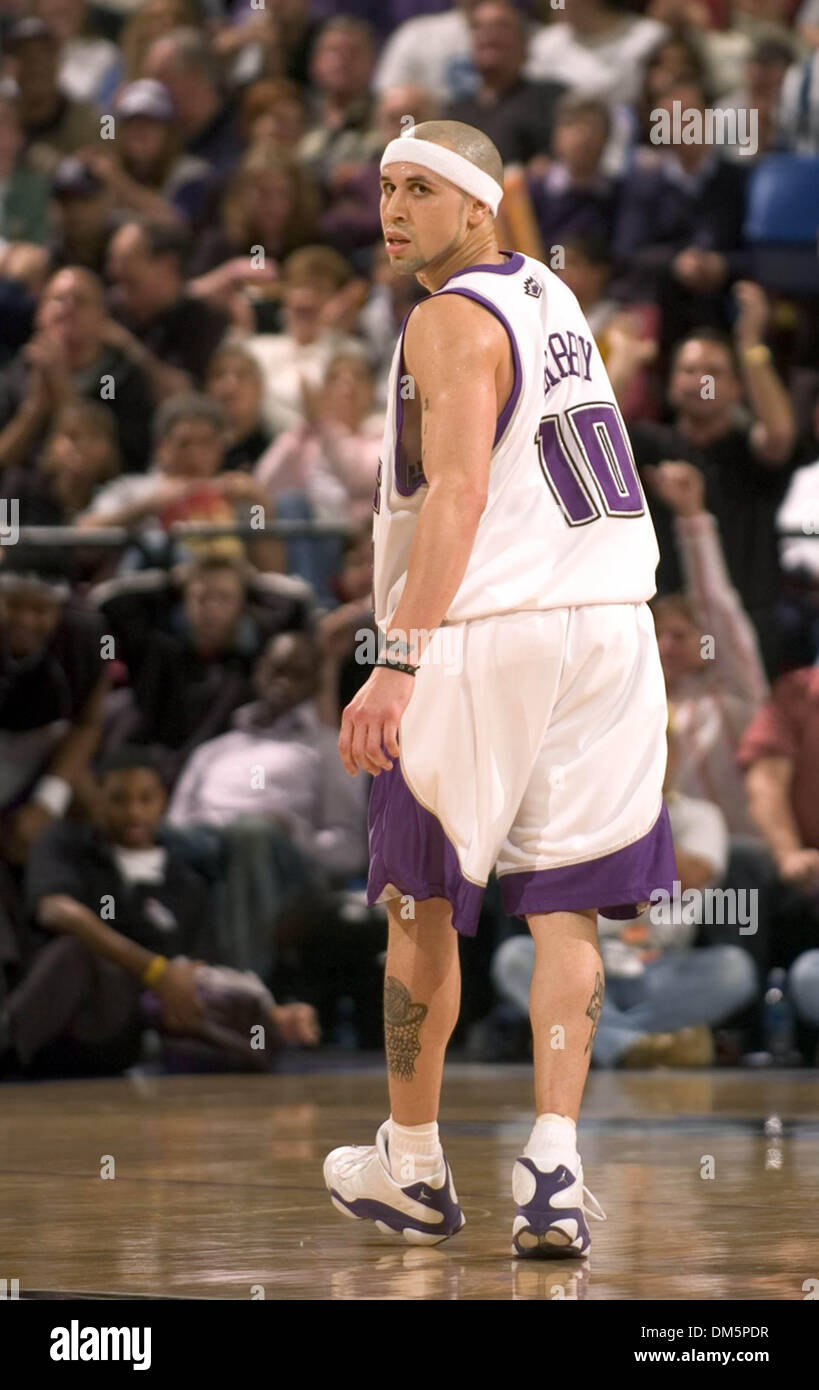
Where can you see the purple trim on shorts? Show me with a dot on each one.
(614, 883)
(506, 413)
(409, 849)
(510, 267)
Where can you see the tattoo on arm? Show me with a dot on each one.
(402, 1025)
(595, 1008)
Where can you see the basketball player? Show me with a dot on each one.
(510, 520)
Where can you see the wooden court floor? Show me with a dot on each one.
(217, 1189)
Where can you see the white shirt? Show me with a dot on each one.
(284, 363)
(609, 64)
(799, 511)
(435, 52)
(141, 865)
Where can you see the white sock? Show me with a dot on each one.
(554, 1137)
(415, 1152)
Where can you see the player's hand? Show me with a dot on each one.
(371, 719)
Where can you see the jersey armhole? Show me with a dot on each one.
(517, 384)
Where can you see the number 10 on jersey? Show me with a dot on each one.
(597, 439)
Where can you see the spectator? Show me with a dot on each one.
(318, 293)
(273, 109)
(70, 357)
(152, 20)
(304, 789)
(79, 456)
(678, 231)
(332, 455)
(798, 119)
(189, 641)
(343, 128)
(601, 49)
(745, 461)
(433, 51)
(24, 192)
(351, 219)
(761, 91)
(799, 554)
(53, 124)
(235, 383)
(80, 1004)
(171, 334)
(270, 202)
(807, 23)
(183, 486)
(570, 195)
(779, 754)
(143, 168)
(708, 647)
(676, 59)
(325, 468)
(53, 683)
(626, 337)
(82, 211)
(281, 42)
(516, 113)
(662, 994)
(276, 795)
(208, 121)
(88, 63)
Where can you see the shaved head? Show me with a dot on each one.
(465, 140)
(432, 225)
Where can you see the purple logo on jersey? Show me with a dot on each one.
(533, 287)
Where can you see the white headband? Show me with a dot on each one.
(410, 150)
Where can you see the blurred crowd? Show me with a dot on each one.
(197, 317)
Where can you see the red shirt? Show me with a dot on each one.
(787, 726)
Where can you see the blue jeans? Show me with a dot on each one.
(803, 986)
(680, 989)
(317, 560)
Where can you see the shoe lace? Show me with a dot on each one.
(356, 1161)
(598, 1215)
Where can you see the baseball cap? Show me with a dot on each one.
(24, 30)
(145, 98)
(73, 179)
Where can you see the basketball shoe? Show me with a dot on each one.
(361, 1185)
(551, 1210)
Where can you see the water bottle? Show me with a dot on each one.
(778, 1020)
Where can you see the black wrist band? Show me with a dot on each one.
(398, 666)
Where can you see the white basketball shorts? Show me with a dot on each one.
(534, 744)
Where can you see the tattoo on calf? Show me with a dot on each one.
(595, 1008)
(402, 1024)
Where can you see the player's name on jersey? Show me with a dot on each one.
(566, 354)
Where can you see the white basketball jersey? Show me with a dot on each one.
(566, 522)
